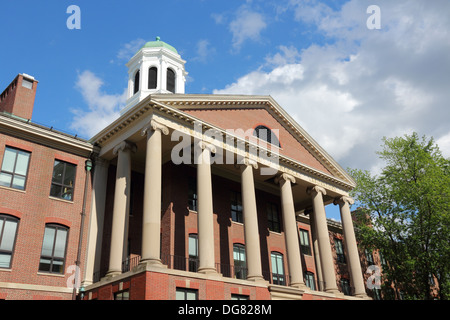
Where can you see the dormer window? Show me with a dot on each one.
(152, 78)
(264, 133)
(170, 80)
(137, 77)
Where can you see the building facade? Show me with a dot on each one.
(191, 197)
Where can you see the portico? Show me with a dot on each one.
(142, 140)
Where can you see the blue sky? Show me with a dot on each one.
(346, 84)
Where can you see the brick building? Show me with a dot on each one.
(191, 196)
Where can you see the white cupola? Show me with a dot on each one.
(155, 68)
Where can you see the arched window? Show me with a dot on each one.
(152, 78)
(240, 266)
(278, 276)
(137, 78)
(170, 80)
(264, 133)
(8, 232)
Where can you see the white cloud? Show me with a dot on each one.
(246, 26)
(204, 51)
(128, 50)
(103, 108)
(363, 84)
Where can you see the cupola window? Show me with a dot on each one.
(153, 78)
(137, 77)
(170, 80)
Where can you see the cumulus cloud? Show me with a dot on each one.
(363, 84)
(204, 51)
(247, 25)
(128, 50)
(103, 108)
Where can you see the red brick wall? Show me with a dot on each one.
(249, 119)
(35, 208)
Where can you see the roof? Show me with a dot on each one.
(159, 44)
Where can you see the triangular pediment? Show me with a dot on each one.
(247, 112)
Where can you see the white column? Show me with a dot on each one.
(290, 231)
(251, 233)
(151, 223)
(95, 235)
(121, 206)
(351, 246)
(205, 209)
(326, 257)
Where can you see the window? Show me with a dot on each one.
(137, 78)
(339, 250)
(239, 297)
(170, 80)
(305, 247)
(193, 252)
(152, 78)
(14, 168)
(186, 294)
(8, 232)
(236, 207)
(264, 133)
(369, 257)
(54, 249)
(63, 181)
(277, 268)
(122, 295)
(192, 194)
(345, 285)
(240, 266)
(309, 280)
(273, 218)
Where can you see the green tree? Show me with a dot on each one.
(405, 213)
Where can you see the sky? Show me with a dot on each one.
(348, 73)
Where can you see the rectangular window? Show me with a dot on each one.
(122, 295)
(305, 247)
(236, 207)
(14, 168)
(345, 285)
(309, 280)
(192, 193)
(273, 218)
(369, 257)
(240, 266)
(277, 268)
(339, 250)
(193, 252)
(63, 180)
(239, 297)
(8, 232)
(53, 252)
(186, 294)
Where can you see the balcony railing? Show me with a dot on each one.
(191, 264)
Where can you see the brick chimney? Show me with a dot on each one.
(18, 98)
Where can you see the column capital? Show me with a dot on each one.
(124, 145)
(316, 189)
(285, 177)
(205, 145)
(154, 125)
(343, 200)
(100, 162)
(248, 162)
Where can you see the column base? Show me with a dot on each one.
(153, 263)
(112, 273)
(258, 279)
(363, 296)
(207, 271)
(299, 285)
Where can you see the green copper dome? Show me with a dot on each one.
(159, 44)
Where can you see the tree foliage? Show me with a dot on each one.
(405, 213)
